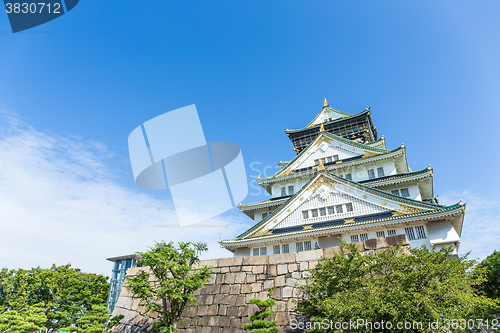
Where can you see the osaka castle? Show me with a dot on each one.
(345, 184)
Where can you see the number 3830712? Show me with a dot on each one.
(33, 7)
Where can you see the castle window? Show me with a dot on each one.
(283, 191)
(314, 212)
(405, 193)
(335, 157)
(329, 159)
(380, 172)
(371, 174)
(305, 214)
(363, 237)
(348, 176)
(322, 211)
(395, 192)
(263, 251)
(290, 189)
(339, 209)
(348, 207)
(410, 233)
(299, 246)
(285, 248)
(256, 251)
(276, 249)
(307, 246)
(354, 238)
(391, 232)
(420, 232)
(316, 161)
(381, 234)
(331, 210)
(264, 215)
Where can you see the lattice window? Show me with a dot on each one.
(410, 233)
(354, 238)
(391, 232)
(363, 237)
(420, 231)
(263, 251)
(381, 234)
(285, 248)
(256, 251)
(380, 172)
(348, 207)
(307, 246)
(276, 249)
(405, 193)
(299, 246)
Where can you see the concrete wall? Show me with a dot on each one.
(224, 302)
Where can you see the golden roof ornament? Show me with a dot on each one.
(325, 103)
(321, 128)
(321, 166)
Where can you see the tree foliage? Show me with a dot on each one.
(48, 299)
(491, 268)
(393, 286)
(259, 324)
(177, 278)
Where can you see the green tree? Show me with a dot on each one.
(259, 324)
(96, 320)
(30, 319)
(177, 278)
(64, 293)
(491, 268)
(393, 286)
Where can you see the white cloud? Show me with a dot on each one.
(481, 229)
(61, 202)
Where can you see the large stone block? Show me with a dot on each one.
(242, 311)
(224, 289)
(212, 310)
(246, 288)
(255, 260)
(250, 278)
(281, 258)
(282, 318)
(224, 321)
(232, 311)
(268, 284)
(282, 269)
(224, 270)
(313, 264)
(235, 289)
(303, 266)
(124, 302)
(232, 299)
(235, 322)
(256, 287)
(232, 261)
(293, 267)
(203, 321)
(218, 299)
(272, 271)
(258, 269)
(291, 305)
(240, 300)
(235, 268)
(240, 277)
(222, 309)
(309, 255)
(279, 281)
(230, 277)
(202, 310)
(287, 292)
(291, 282)
(214, 321)
(396, 239)
(279, 306)
(331, 251)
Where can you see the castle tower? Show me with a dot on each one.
(345, 184)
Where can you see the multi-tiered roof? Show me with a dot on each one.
(345, 184)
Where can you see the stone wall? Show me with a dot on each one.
(224, 302)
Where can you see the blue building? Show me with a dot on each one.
(121, 264)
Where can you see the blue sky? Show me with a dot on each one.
(73, 89)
